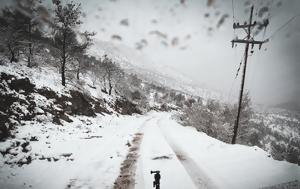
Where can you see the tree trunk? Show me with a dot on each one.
(29, 46)
(12, 57)
(104, 85)
(29, 56)
(63, 78)
(78, 70)
(63, 65)
(12, 54)
(109, 83)
(110, 88)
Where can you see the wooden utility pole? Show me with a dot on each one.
(249, 40)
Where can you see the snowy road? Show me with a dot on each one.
(190, 159)
(200, 179)
(130, 147)
(160, 153)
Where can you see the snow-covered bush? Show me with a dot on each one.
(217, 120)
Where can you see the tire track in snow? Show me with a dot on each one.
(78, 181)
(200, 179)
(153, 147)
(126, 178)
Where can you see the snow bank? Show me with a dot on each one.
(228, 166)
(85, 153)
(49, 77)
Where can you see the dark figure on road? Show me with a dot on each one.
(156, 182)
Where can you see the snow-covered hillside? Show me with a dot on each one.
(135, 62)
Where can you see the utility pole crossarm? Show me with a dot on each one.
(238, 26)
(248, 41)
(251, 41)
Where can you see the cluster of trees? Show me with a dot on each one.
(256, 129)
(19, 29)
(28, 25)
(283, 142)
(31, 32)
(107, 72)
(217, 120)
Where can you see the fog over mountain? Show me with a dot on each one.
(193, 37)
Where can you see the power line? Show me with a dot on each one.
(234, 79)
(232, 6)
(237, 72)
(233, 17)
(284, 25)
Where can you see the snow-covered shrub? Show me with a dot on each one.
(217, 120)
(202, 118)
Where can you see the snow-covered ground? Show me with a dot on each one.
(88, 154)
(84, 154)
(49, 77)
(189, 159)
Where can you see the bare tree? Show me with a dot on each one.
(134, 80)
(28, 19)
(67, 18)
(112, 72)
(247, 112)
(79, 52)
(11, 33)
(19, 28)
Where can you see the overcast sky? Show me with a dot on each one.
(193, 37)
(189, 37)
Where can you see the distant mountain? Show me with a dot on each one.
(134, 62)
(290, 105)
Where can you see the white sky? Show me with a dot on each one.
(208, 58)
